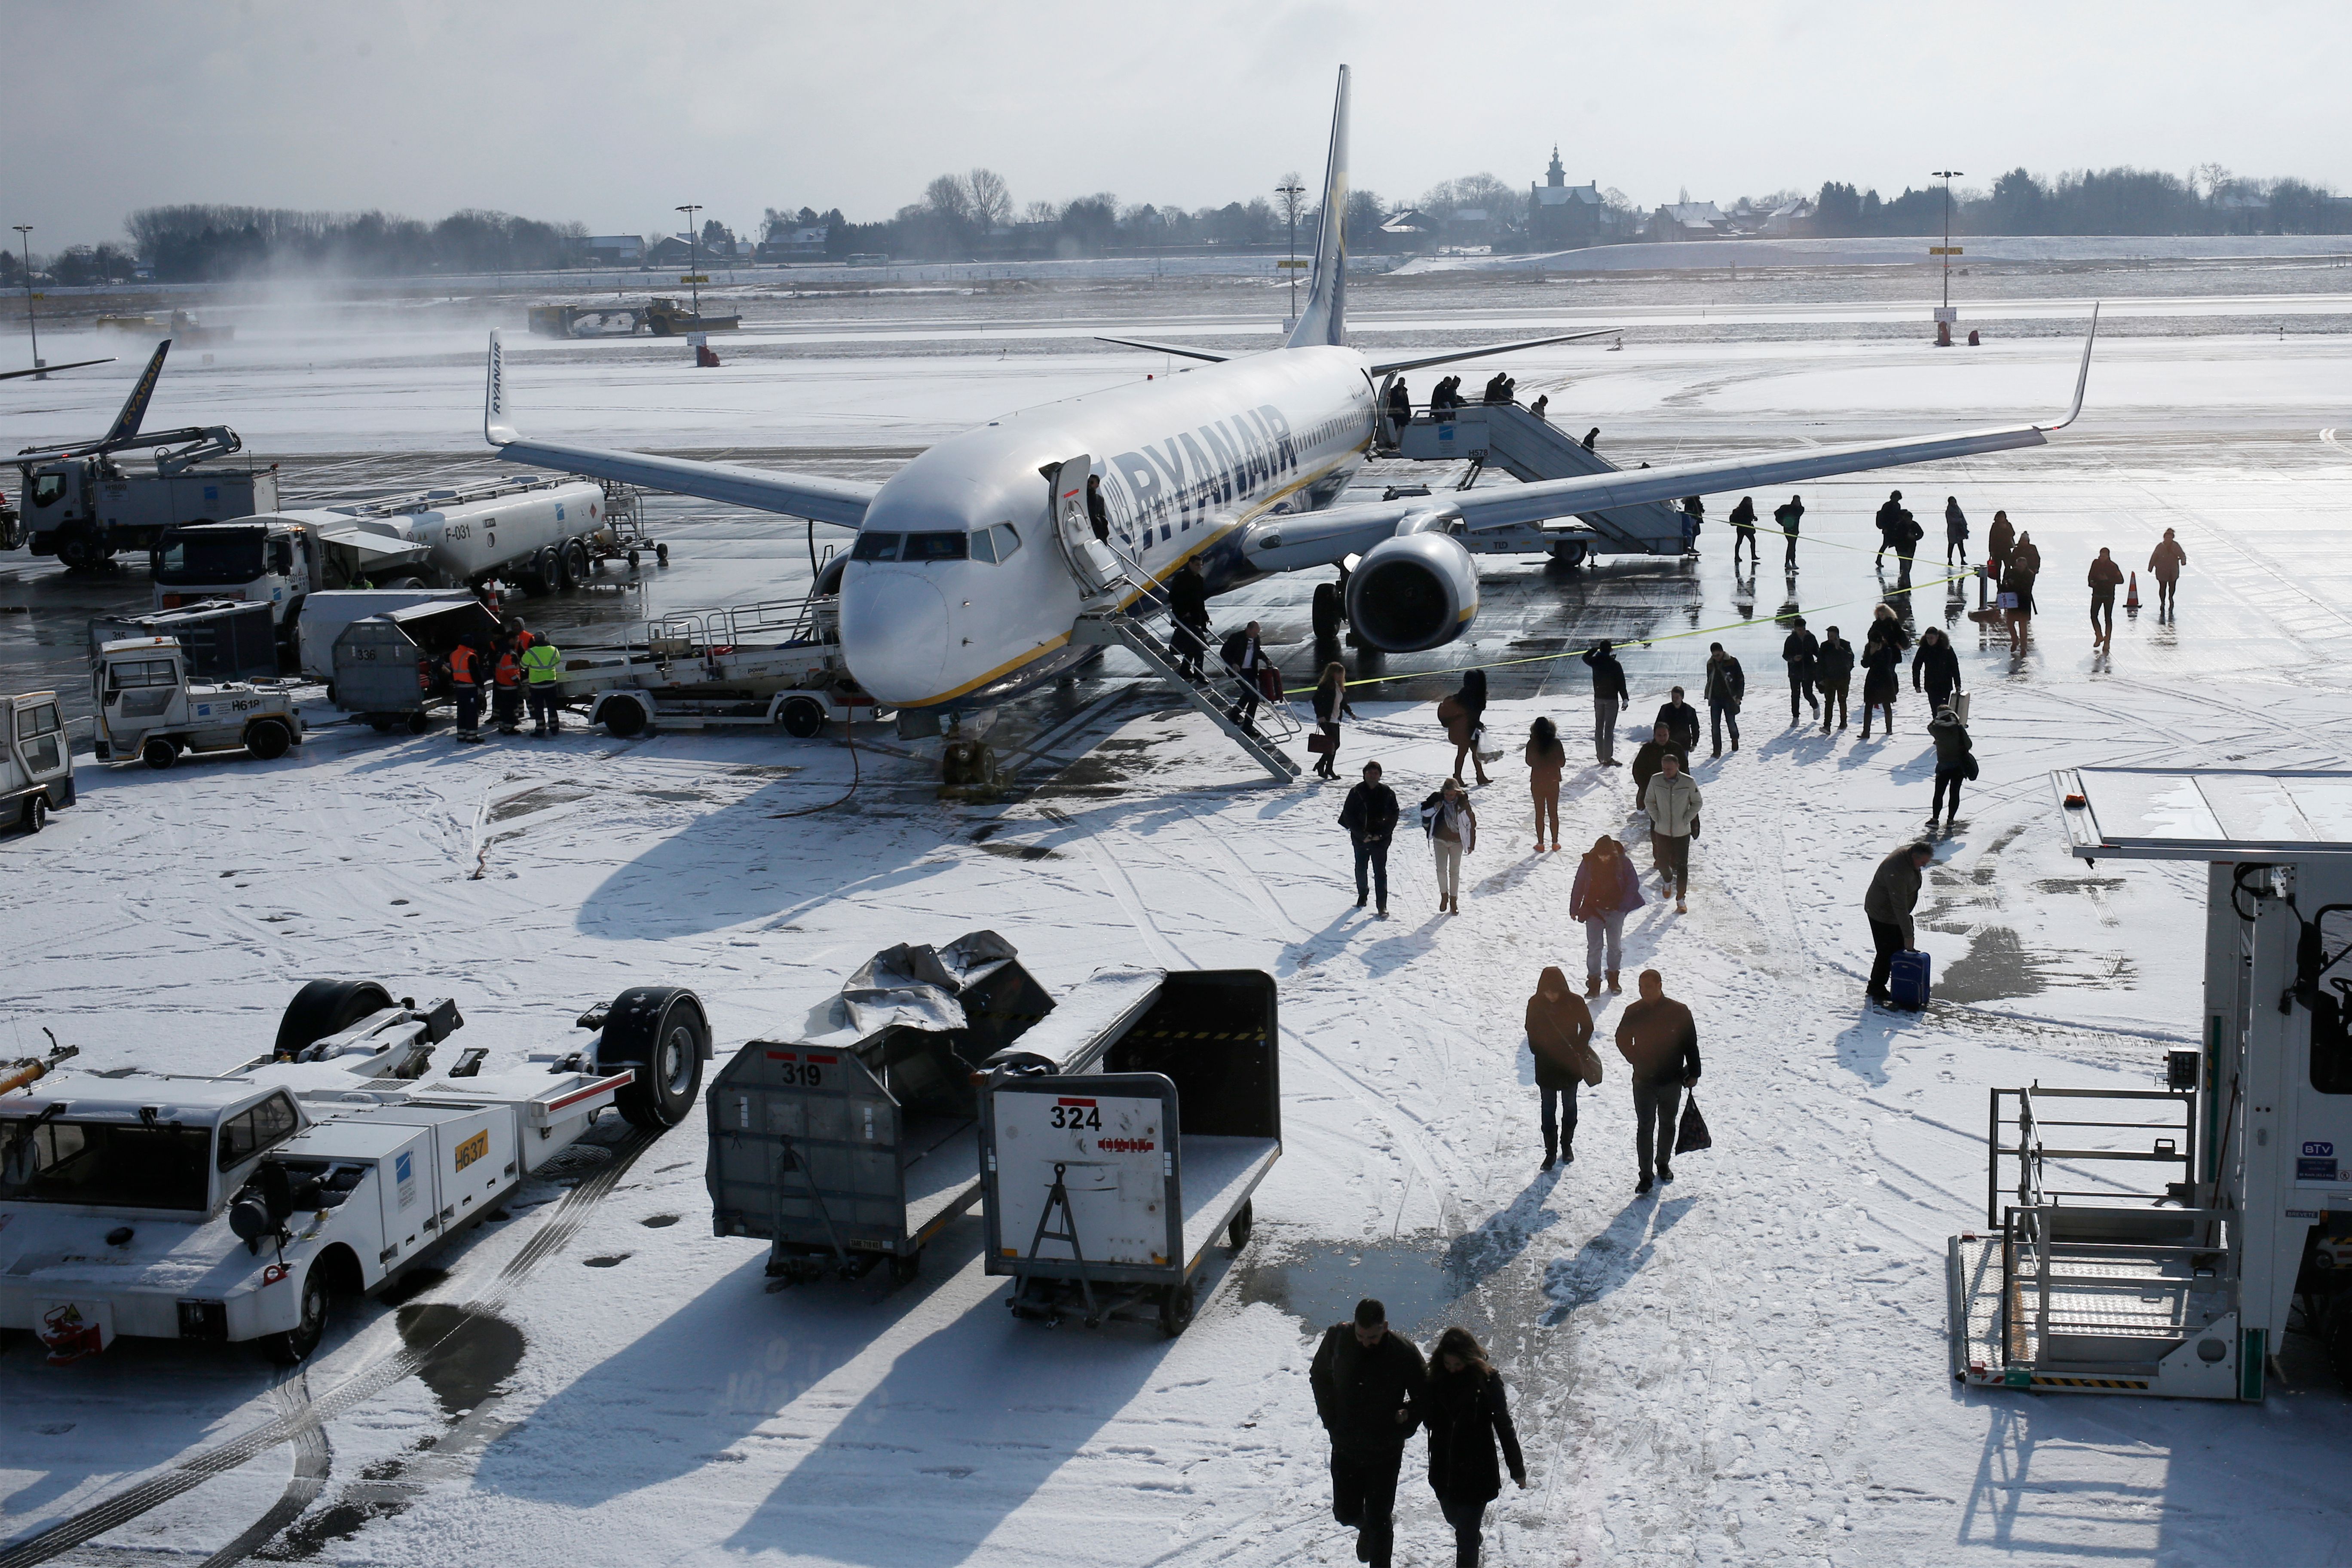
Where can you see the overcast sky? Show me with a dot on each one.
(613, 113)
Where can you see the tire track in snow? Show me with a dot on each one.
(311, 1461)
(307, 1415)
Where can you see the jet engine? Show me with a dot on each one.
(1413, 591)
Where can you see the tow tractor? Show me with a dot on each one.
(2086, 1280)
(148, 708)
(234, 1208)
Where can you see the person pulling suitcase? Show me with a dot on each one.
(1894, 893)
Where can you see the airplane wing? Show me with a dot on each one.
(1165, 349)
(1321, 538)
(1484, 349)
(43, 370)
(842, 502)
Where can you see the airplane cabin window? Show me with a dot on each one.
(1007, 541)
(937, 546)
(875, 547)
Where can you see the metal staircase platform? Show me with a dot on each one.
(1217, 694)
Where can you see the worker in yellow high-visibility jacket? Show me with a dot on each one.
(542, 664)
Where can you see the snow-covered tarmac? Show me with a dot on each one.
(1746, 1367)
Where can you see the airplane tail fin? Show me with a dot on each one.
(142, 391)
(1323, 319)
(498, 424)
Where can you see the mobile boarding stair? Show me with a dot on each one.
(1505, 435)
(1121, 603)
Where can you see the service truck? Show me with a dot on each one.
(542, 533)
(81, 506)
(36, 763)
(236, 1208)
(148, 708)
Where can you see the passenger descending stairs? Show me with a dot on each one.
(1504, 434)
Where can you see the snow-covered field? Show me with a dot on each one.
(1749, 1366)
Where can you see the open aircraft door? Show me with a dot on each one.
(1091, 561)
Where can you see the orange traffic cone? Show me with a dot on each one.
(2131, 595)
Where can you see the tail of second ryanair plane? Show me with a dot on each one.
(1324, 320)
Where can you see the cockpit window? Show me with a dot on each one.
(937, 546)
(1007, 541)
(875, 547)
(984, 546)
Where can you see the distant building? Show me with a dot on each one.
(673, 250)
(794, 244)
(1561, 217)
(616, 249)
(1408, 226)
(1689, 220)
(1790, 220)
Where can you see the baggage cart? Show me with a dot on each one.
(388, 668)
(222, 639)
(1102, 1192)
(854, 1141)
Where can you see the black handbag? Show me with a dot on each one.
(1692, 1134)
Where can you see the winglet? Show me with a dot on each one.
(143, 393)
(495, 429)
(2082, 378)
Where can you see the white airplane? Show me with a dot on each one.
(974, 561)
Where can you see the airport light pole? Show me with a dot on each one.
(693, 254)
(1947, 176)
(25, 234)
(1290, 195)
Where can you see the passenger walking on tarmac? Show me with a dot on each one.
(506, 687)
(2016, 601)
(1188, 609)
(1330, 706)
(1789, 514)
(1464, 714)
(1882, 659)
(1726, 686)
(1243, 658)
(1799, 651)
(543, 668)
(1935, 668)
(2000, 540)
(1681, 718)
(1097, 510)
(1399, 408)
(469, 668)
(1955, 533)
(1545, 758)
(1659, 1041)
(1560, 1033)
(1607, 889)
(1907, 533)
(1893, 893)
(1369, 1387)
(1955, 762)
(2165, 567)
(1672, 802)
(1654, 753)
(1886, 626)
(1370, 816)
(2107, 576)
(1609, 698)
(1467, 1416)
(1833, 676)
(1452, 833)
(1743, 533)
(1890, 523)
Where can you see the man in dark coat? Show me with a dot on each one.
(1798, 651)
(1726, 688)
(1907, 535)
(1654, 753)
(1370, 816)
(1789, 514)
(1659, 1041)
(1097, 510)
(1743, 533)
(1591, 437)
(1893, 892)
(1399, 408)
(1243, 658)
(1833, 677)
(1681, 719)
(1368, 1385)
(1955, 533)
(1188, 608)
(1609, 698)
(1935, 668)
(1560, 1036)
(1890, 519)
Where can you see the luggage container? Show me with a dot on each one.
(854, 1139)
(388, 668)
(222, 639)
(1102, 1192)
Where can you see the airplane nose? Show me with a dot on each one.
(894, 633)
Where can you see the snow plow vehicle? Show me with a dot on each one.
(148, 708)
(235, 1208)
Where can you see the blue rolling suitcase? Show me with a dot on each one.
(1906, 982)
